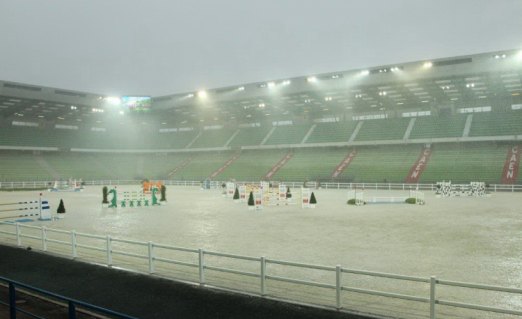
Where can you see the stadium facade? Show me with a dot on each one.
(369, 125)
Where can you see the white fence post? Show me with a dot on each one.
(338, 287)
(263, 276)
(73, 242)
(44, 239)
(201, 266)
(18, 237)
(433, 282)
(109, 252)
(151, 258)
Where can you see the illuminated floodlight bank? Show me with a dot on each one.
(113, 100)
(311, 79)
(427, 64)
(365, 72)
(202, 94)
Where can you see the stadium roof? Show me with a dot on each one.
(490, 79)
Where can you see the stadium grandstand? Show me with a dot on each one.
(466, 110)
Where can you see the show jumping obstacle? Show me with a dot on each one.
(32, 208)
(67, 186)
(134, 198)
(147, 187)
(264, 195)
(447, 189)
(361, 200)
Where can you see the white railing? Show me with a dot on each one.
(263, 275)
(214, 184)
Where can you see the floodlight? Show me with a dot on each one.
(286, 82)
(365, 72)
(271, 84)
(114, 100)
(121, 112)
(312, 79)
(427, 65)
(190, 95)
(241, 88)
(202, 94)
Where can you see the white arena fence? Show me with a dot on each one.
(75, 239)
(312, 185)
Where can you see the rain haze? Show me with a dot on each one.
(165, 47)
(263, 159)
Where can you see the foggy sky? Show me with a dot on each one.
(164, 47)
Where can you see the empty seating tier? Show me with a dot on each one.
(332, 132)
(427, 127)
(380, 130)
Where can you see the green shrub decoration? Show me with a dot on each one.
(163, 193)
(61, 208)
(236, 194)
(105, 194)
(352, 202)
(251, 199)
(288, 193)
(312, 199)
(411, 201)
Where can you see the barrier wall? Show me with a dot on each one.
(233, 263)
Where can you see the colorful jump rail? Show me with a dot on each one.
(263, 275)
(32, 208)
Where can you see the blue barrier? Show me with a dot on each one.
(72, 303)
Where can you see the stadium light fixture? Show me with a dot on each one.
(121, 112)
(114, 100)
(311, 79)
(271, 84)
(520, 55)
(202, 94)
(261, 105)
(328, 98)
(470, 85)
(190, 95)
(241, 88)
(365, 72)
(286, 82)
(427, 64)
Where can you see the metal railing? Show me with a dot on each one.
(71, 303)
(215, 184)
(336, 272)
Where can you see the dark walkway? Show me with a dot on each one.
(142, 296)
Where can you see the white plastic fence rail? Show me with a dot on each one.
(263, 275)
(215, 184)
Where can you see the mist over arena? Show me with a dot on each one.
(276, 159)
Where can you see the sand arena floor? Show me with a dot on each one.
(464, 239)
